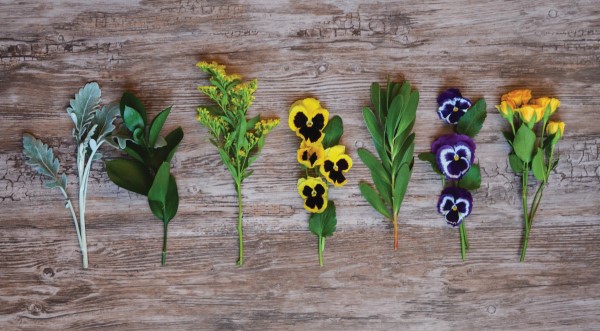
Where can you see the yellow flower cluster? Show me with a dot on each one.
(217, 71)
(530, 111)
(308, 120)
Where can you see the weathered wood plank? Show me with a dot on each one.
(331, 50)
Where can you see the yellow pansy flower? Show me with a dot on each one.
(308, 119)
(314, 192)
(335, 165)
(310, 155)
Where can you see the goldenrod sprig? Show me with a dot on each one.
(238, 140)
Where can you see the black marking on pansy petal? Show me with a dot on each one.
(461, 207)
(342, 164)
(311, 134)
(453, 218)
(319, 121)
(328, 166)
(315, 202)
(300, 120)
(337, 177)
(305, 156)
(320, 189)
(448, 205)
(307, 191)
(313, 158)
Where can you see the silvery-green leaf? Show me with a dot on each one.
(160, 142)
(104, 119)
(42, 159)
(88, 136)
(97, 156)
(93, 144)
(82, 108)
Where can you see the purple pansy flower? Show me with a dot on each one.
(455, 204)
(454, 154)
(452, 106)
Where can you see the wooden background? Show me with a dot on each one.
(331, 50)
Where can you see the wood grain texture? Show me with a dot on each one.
(331, 50)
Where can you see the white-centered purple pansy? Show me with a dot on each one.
(455, 204)
(452, 106)
(454, 154)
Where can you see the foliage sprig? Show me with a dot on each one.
(390, 123)
(147, 172)
(92, 125)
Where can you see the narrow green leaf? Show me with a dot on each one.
(130, 100)
(430, 157)
(157, 125)
(252, 122)
(472, 121)
(515, 163)
(524, 143)
(373, 125)
(130, 175)
(409, 112)
(400, 186)
(394, 116)
(381, 178)
(537, 165)
(333, 132)
(378, 100)
(472, 179)
(374, 199)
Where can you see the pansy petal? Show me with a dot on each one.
(453, 218)
(445, 204)
(450, 93)
(464, 206)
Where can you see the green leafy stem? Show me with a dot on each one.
(147, 172)
(390, 123)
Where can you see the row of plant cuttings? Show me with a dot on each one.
(322, 158)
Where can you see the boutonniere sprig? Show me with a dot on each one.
(324, 162)
(390, 123)
(92, 125)
(533, 138)
(239, 140)
(453, 158)
(147, 172)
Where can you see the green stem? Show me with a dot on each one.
(525, 214)
(321, 249)
(463, 245)
(163, 259)
(81, 167)
(395, 232)
(240, 260)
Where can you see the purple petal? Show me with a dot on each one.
(453, 218)
(451, 140)
(450, 93)
(463, 103)
(456, 169)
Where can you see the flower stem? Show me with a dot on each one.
(525, 214)
(240, 261)
(463, 241)
(163, 259)
(321, 249)
(395, 232)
